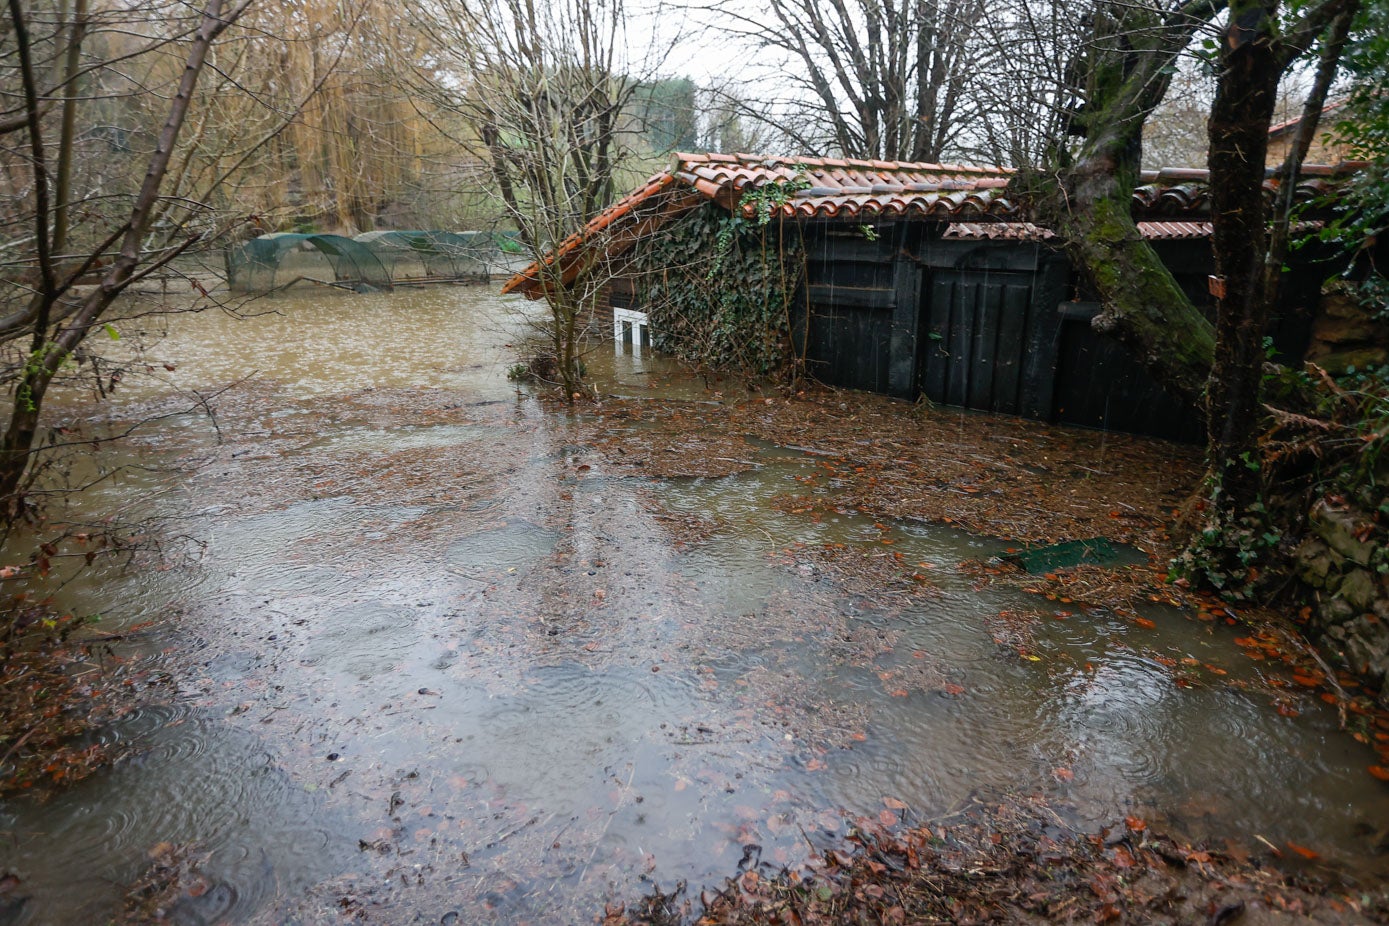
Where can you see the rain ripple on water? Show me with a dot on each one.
(191, 781)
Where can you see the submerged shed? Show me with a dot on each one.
(928, 279)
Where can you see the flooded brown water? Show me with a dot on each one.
(426, 661)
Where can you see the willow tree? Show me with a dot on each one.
(305, 120)
(61, 233)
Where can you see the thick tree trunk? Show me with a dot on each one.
(1143, 307)
(1252, 64)
(1239, 121)
(1256, 51)
(16, 445)
(1086, 194)
(1089, 204)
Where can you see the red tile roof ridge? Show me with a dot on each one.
(765, 161)
(1028, 231)
(528, 279)
(1282, 127)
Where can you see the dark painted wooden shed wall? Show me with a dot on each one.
(991, 325)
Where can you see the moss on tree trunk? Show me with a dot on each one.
(1143, 307)
(1086, 191)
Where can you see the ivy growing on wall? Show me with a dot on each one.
(720, 288)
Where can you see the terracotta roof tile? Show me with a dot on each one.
(1174, 231)
(1283, 127)
(1027, 231)
(997, 231)
(846, 189)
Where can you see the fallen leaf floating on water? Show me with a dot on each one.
(1303, 851)
(1380, 772)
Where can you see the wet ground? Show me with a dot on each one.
(425, 648)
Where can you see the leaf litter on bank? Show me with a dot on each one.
(1013, 862)
(1020, 481)
(998, 476)
(56, 696)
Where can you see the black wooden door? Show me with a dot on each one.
(979, 330)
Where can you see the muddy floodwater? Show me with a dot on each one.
(420, 653)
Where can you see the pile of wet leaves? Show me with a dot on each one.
(172, 888)
(1020, 481)
(57, 694)
(988, 474)
(1013, 862)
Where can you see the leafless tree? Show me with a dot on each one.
(1175, 135)
(541, 92)
(72, 244)
(729, 121)
(1020, 52)
(891, 79)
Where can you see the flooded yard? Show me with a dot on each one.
(423, 648)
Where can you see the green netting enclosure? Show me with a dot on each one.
(374, 260)
(280, 260)
(433, 255)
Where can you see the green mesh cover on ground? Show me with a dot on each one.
(1096, 550)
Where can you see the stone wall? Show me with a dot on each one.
(1344, 560)
(1346, 334)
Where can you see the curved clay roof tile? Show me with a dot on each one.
(844, 188)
